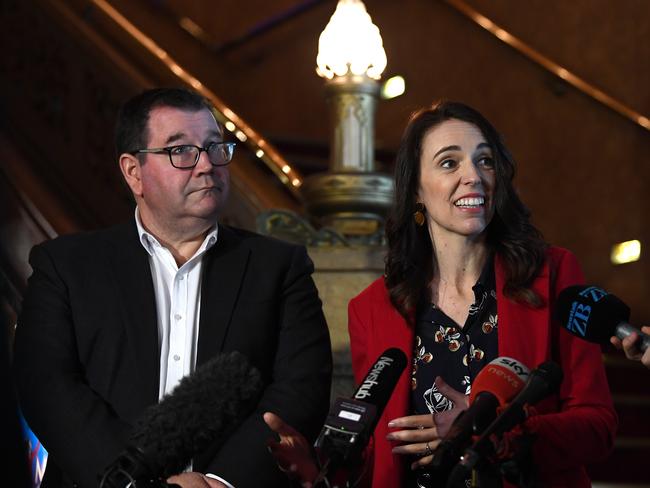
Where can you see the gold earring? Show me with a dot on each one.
(418, 215)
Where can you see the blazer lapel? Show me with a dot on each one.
(223, 271)
(132, 274)
(524, 332)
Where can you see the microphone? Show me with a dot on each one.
(351, 421)
(495, 385)
(593, 314)
(203, 408)
(543, 381)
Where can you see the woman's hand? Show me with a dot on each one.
(292, 453)
(630, 348)
(194, 480)
(421, 434)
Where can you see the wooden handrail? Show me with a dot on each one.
(550, 65)
(289, 176)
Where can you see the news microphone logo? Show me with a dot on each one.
(501, 365)
(581, 310)
(364, 390)
(594, 315)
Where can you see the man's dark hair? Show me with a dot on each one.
(131, 128)
(410, 263)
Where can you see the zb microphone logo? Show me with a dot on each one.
(580, 312)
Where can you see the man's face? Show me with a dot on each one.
(168, 196)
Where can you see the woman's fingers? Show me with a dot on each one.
(413, 435)
(422, 449)
(423, 461)
(412, 422)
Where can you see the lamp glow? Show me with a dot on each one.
(350, 43)
(393, 87)
(626, 252)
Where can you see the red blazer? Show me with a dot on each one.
(574, 428)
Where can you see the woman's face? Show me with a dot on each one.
(456, 179)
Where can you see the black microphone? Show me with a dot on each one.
(204, 407)
(543, 381)
(495, 385)
(351, 421)
(593, 314)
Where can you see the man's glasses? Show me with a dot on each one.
(185, 156)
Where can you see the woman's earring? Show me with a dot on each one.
(418, 215)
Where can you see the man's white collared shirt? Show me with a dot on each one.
(178, 306)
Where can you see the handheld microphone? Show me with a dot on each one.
(543, 381)
(351, 421)
(593, 314)
(202, 409)
(495, 385)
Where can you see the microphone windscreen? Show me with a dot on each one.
(504, 377)
(590, 312)
(199, 411)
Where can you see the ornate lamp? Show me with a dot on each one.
(351, 197)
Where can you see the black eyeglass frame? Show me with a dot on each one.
(168, 150)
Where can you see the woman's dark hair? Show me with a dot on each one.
(131, 128)
(410, 263)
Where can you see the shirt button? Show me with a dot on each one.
(177, 357)
(178, 316)
(181, 278)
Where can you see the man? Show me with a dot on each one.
(112, 320)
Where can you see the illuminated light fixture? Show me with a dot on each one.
(230, 126)
(484, 22)
(241, 136)
(192, 27)
(295, 182)
(286, 168)
(350, 43)
(562, 73)
(626, 252)
(351, 193)
(502, 34)
(259, 153)
(393, 87)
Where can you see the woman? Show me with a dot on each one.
(468, 278)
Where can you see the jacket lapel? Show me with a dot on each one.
(524, 332)
(223, 271)
(131, 272)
